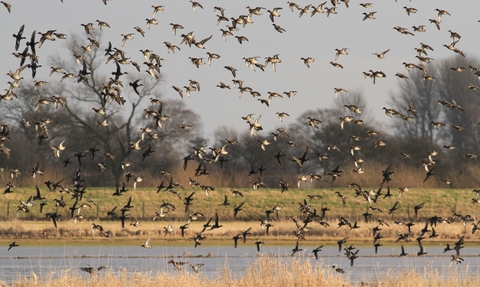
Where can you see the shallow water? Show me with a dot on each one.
(45, 261)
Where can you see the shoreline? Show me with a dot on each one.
(73, 242)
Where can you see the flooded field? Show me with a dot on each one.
(49, 262)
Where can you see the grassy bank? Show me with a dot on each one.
(35, 226)
(440, 202)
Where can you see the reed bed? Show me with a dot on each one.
(263, 272)
(33, 232)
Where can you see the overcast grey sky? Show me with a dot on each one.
(315, 37)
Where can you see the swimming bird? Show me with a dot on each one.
(338, 269)
(403, 251)
(92, 270)
(176, 264)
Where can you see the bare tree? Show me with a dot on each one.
(423, 95)
(461, 104)
(101, 116)
(446, 107)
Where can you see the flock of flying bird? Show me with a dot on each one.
(112, 92)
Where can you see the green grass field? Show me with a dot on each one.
(441, 202)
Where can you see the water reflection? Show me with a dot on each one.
(45, 261)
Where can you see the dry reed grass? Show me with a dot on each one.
(263, 272)
(279, 234)
(462, 173)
